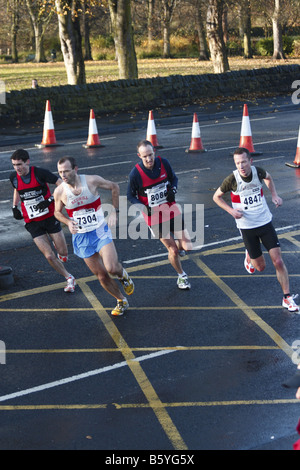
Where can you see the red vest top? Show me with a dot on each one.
(31, 194)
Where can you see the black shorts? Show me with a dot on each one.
(164, 229)
(253, 237)
(43, 227)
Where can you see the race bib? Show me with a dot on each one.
(252, 201)
(157, 195)
(86, 220)
(31, 209)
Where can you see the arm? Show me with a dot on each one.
(16, 212)
(59, 206)
(98, 182)
(218, 199)
(271, 186)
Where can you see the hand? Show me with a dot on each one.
(170, 196)
(17, 213)
(44, 204)
(73, 227)
(277, 201)
(236, 214)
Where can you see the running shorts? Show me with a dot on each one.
(87, 244)
(253, 237)
(43, 227)
(164, 229)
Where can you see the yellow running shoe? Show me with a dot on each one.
(127, 283)
(120, 308)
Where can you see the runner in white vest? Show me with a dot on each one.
(91, 235)
(254, 219)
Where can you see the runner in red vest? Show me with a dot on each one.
(153, 183)
(31, 188)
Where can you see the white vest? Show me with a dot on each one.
(84, 208)
(249, 199)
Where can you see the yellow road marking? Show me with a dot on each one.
(120, 406)
(138, 372)
(245, 308)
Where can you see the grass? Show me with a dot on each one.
(20, 76)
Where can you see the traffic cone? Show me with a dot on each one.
(93, 137)
(296, 163)
(196, 142)
(151, 132)
(49, 139)
(246, 135)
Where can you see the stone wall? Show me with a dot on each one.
(120, 95)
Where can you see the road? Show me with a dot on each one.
(181, 371)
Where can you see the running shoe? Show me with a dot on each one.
(127, 283)
(70, 284)
(248, 266)
(120, 308)
(183, 282)
(290, 303)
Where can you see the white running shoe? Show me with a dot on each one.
(248, 266)
(71, 282)
(183, 282)
(290, 303)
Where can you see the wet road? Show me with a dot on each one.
(181, 370)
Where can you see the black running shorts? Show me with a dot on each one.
(165, 229)
(253, 237)
(42, 227)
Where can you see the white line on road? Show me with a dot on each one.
(84, 375)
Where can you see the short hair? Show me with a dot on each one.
(241, 150)
(20, 154)
(68, 159)
(144, 143)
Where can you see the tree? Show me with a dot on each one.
(40, 14)
(244, 14)
(13, 11)
(120, 14)
(215, 36)
(168, 7)
(277, 32)
(70, 40)
(203, 52)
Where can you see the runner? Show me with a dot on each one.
(30, 185)
(254, 219)
(92, 238)
(153, 183)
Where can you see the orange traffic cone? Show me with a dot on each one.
(246, 135)
(196, 142)
(49, 139)
(151, 132)
(93, 137)
(296, 163)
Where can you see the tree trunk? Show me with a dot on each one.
(120, 13)
(13, 8)
(70, 40)
(203, 52)
(86, 33)
(150, 20)
(167, 12)
(215, 36)
(277, 33)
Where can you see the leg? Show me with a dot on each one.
(43, 244)
(96, 266)
(281, 271)
(173, 255)
(110, 260)
(60, 243)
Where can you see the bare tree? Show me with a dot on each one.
(40, 15)
(70, 40)
(120, 13)
(277, 32)
(150, 20)
(203, 52)
(13, 7)
(168, 7)
(244, 16)
(215, 36)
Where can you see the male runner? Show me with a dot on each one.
(92, 238)
(254, 219)
(153, 184)
(30, 185)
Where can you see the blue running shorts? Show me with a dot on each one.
(89, 243)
